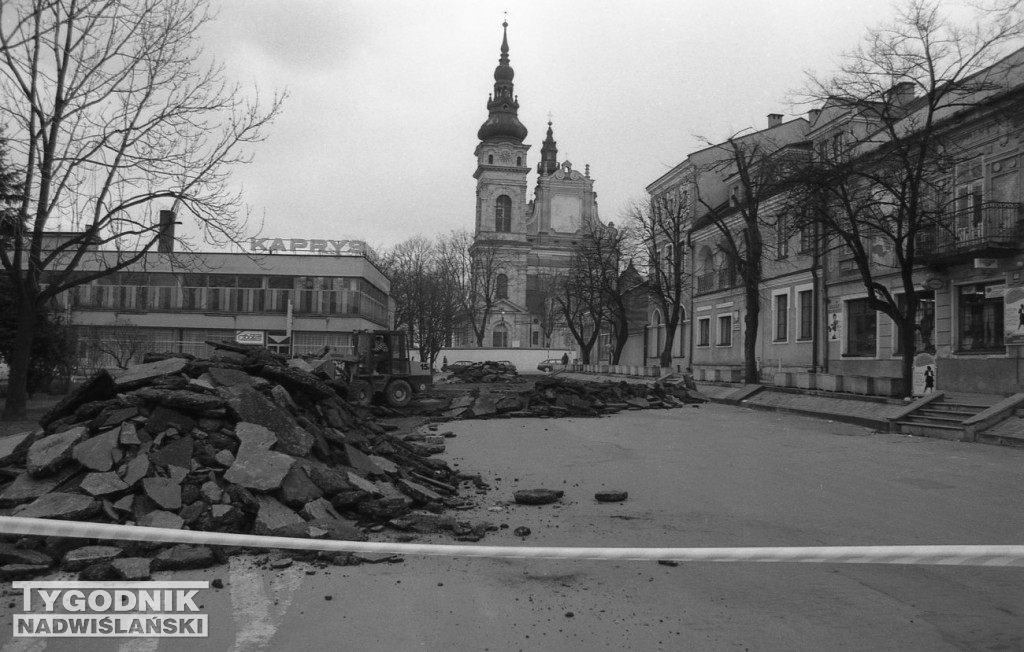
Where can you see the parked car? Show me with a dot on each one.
(550, 364)
(457, 365)
(507, 364)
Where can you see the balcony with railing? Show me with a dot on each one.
(715, 281)
(988, 230)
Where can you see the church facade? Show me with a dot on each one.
(523, 243)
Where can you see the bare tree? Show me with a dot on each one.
(756, 167)
(581, 301)
(473, 268)
(110, 116)
(661, 225)
(550, 286)
(121, 342)
(611, 253)
(426, 300)
(885, 188)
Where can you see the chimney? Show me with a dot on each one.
(774, 120)
(902, 93)
(165, 238)
(812, 115)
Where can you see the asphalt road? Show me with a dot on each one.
(696, 477)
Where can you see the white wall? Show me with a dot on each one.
(525, 360)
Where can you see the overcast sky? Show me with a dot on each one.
(377, 137)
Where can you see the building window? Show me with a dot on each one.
(782, 237)
(704, 331)
(503, 214)
(924, 327)
(806, 239)
(499, 337)
(490, 159)
(501, 286)
(782, 317)
(725, 330)
(519, 161)
(861, 328)
(806, 300)
(980, 317)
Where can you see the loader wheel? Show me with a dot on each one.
(360, 392)
(398, 393)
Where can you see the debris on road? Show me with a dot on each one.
(486, 372)
(554, 396)
(240, 443)
(538, 496)
(611, 496)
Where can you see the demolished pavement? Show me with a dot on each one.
(240, 443)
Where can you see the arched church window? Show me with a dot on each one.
(490, 159)
(501, 286)
(499, 336)
(519, 161)
(503, 214)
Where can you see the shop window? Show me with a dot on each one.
(704, 331)
(725, 330)
(503, 214)
(924, 326)
(980, 317)
(861, 329)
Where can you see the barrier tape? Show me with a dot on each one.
(943, 555)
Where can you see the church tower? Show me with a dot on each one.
(523, 245)
(501, 166)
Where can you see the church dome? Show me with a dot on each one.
(501, 126)
(502, 106)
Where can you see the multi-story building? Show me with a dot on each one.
(527, 241)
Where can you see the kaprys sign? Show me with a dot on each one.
(316, 246)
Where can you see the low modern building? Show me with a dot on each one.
(293, 304)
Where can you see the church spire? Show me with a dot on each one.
(548, 154)
(503, 106)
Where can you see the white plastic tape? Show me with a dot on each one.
(1005, 555)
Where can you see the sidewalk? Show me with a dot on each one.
(872, 412)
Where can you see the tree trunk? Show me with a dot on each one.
(16, 404)
(670, 336)
(752, 326)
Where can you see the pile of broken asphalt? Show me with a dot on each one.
(246, 443)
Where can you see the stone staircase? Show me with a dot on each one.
(947, 416)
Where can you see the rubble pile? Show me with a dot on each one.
(239, 443)
(553, 396)
(487, 372)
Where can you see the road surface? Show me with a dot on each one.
(697, 477)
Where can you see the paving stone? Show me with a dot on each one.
(13, 447)
(320, 508)
(362, 484)
(224, 458)
(116, 417)
(418, 492)
(211, 492)
(180, 399)
(163, 418)
(272, 516)
(48, 454)
(611, 496)
(175, 453)
(251, 406)
(138, 375)
(11, 554)
(25, 488)
(161, 518)
(80, 558)
(100, 453)
(132, 569)
(537, 496)
(361, 462)
(165, 492)
(101, 484)
(184, 557)
(60, 506)
(230, 377)
(255, 468)
(136, 469)
(129, 434)
(297, 488)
